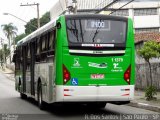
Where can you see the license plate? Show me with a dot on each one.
(97, 76)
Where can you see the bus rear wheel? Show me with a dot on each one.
(40, 99)
(23, 96)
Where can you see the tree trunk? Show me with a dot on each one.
(150, 70)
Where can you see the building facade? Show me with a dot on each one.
(145, 14)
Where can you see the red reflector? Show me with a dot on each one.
(127, 89)
(66, 89)
(66, 95)
(127, 75)
(66, 75)
(125, 94)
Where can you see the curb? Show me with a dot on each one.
(144, 106)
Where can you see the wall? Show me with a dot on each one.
(142, 71)
(149, 21)
(143, 75)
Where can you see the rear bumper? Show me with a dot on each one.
(94, 93)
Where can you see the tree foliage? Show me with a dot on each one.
(29, 27)
(149, 50)
(10, 32)
(19, 37)
(5, 51)
(45, 18)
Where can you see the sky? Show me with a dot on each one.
(24, 12)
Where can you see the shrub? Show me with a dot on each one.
(150, 92)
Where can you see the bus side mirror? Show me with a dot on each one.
(58, 25)
(14, 58)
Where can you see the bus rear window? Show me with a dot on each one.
(96, 31)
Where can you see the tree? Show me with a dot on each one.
(148, 51)
(29, 27)
(19, 37)
(45, 19)
(4, 52)
(10, 32)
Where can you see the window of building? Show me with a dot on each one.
(146, 11)
(142, 30)
(121, 13)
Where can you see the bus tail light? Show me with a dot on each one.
(127, 75)
(66, 75)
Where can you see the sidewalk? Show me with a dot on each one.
(8, 73)
(140, 102)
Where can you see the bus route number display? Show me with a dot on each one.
(100, 24)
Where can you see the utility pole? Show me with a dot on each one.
(37, 4)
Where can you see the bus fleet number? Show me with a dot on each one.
(117, 59)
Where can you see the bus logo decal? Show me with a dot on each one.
(76, 62)
(74, 81)
(116, 65)
(117, 68)
(102, 65)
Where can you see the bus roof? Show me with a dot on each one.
(38, 32)
(98, 16)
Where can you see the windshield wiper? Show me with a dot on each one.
(81, 30)
(95, 34)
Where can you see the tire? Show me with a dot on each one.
(23, 96)
(40, 99)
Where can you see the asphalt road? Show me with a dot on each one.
(12, 106)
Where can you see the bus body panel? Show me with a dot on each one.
(94, 93)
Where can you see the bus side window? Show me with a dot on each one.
(46, 42)
(37, 50)
(51, 41)
(17, 59)
(43, 43)
(28, 52)
(43, 46)
(28, 56)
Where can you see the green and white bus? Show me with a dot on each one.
(86, 59)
